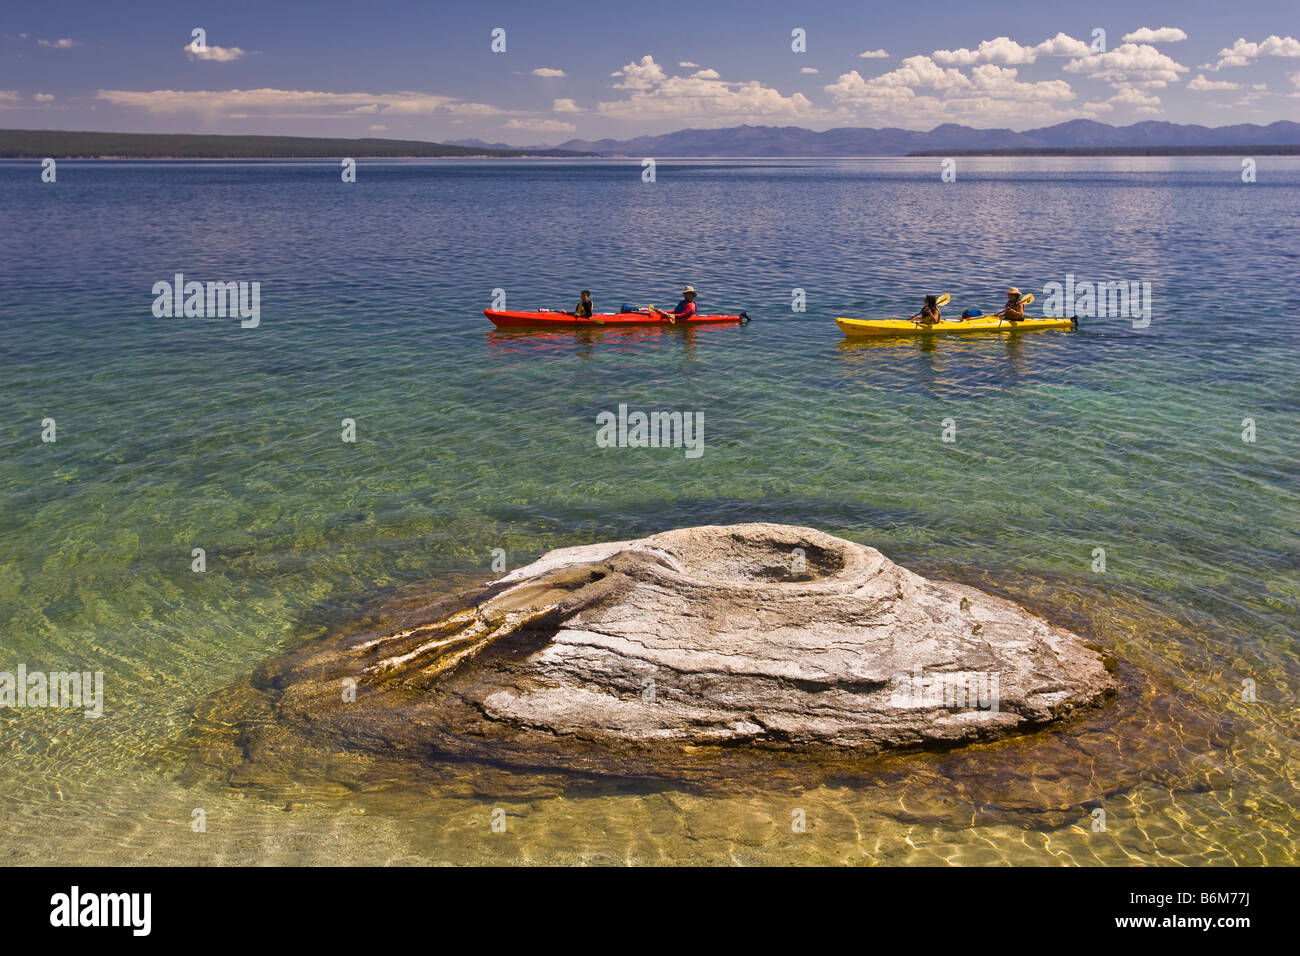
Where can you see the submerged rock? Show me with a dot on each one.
(628, 654)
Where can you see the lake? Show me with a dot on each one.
(1135, 479)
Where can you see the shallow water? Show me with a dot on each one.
(183, 433)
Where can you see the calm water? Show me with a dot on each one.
(180, 433)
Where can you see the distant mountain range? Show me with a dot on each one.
(864, 141)
(1075, 136)
(61, 144)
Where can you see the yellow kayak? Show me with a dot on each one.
(983, 323)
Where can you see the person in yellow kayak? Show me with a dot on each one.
(930, 312)
(585, 306)
(1015, 309)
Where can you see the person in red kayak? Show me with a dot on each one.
(685, 308)
(585, 305)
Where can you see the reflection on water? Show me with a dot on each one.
(952, 366)
(585, 342)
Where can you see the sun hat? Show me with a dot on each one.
(1013, 291)
(688, 289)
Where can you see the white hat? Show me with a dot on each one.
(688, 289)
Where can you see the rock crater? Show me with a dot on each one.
(760, 636)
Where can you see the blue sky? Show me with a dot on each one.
(426, 70)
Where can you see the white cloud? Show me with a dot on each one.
(1134, 97)
(1007, 51)
(43, 97)
(1129, 64)
(688, 65)
(640, 76)
(378, 128)
(214, 54)
(273, 103)
(65, 43)
(809, 69)
(851, 89)
(565, 106)
(1231, 60)
(9, 96)
(1242, 53)
(999, 81)
(918, 72)
(1062, 45)
(1162, 35)
(1201, 83)
(874, 55)
(417, 106)
(701, 95)
(990, 92)
(915, 71)
(1280, 46)
(1246, 101)
(982, 86)
(999, 49)
(541, 125)
(547, 71)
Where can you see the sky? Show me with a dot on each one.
(565, 70)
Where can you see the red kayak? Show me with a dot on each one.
(546, 319)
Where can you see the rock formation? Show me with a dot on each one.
(758, 636)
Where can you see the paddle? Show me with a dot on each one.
(939, 303)
(590, 318)
(672, 319)
(1026, 299)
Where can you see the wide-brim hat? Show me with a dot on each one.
(690, 290)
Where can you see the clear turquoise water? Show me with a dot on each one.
(183, 433)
